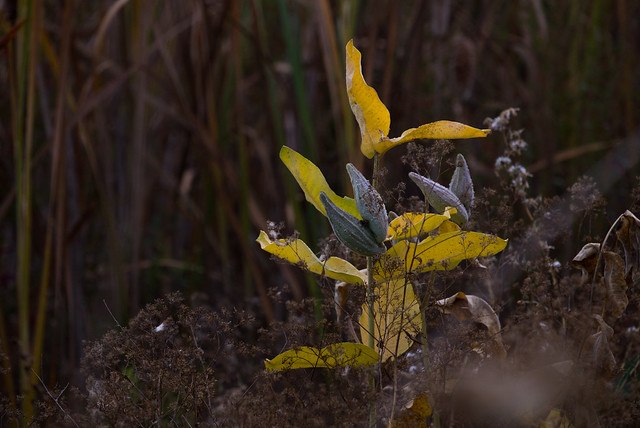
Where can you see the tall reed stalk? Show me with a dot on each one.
(23, 99)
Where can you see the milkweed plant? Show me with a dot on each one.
(396, 246)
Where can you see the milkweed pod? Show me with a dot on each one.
(351, 231)
(369, 204)
(461, 184)
(439, 197)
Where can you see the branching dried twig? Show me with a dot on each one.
(57, 399)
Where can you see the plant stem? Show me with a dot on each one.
(370, 334)
(370, 298)
(370, 280)
(425, 350)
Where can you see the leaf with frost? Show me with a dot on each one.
(297, 252)
(333, 356)
(467, 306)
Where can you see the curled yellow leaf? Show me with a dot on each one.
(374, 119)
(372, 115)
(297, 252)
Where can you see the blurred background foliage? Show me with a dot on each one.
(139, 139)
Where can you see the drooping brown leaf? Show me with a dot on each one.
(614, 281)
(629, 237)
(467, 306)
(587, 259)
(597, 346)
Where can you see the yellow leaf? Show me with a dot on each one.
(443, 129)
(374, 119)
(394, 322)
(297, 252)
(556, 419)
(312, 182)
(371, 114)
(440, 130)
(409, 225)
(448, 226)
(332, 356)
(414, 413)
(440, 252)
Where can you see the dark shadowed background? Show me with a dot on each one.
(139, 139)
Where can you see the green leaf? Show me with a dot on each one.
(440, 252)
(332, 356)
(372, 115)
(396, 317)
(312, 182)
(297, 252)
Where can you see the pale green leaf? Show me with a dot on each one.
(297, 252)
(396, 317)
(371, 114)
(332, 356)
(312, 182)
